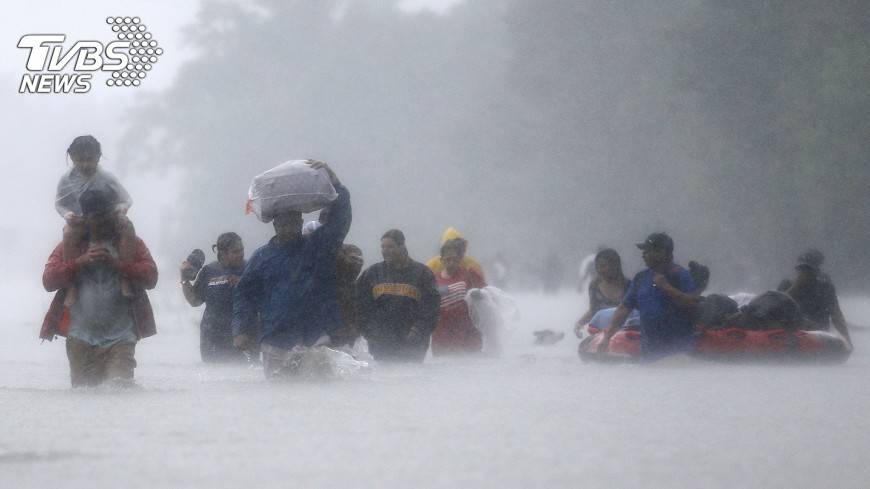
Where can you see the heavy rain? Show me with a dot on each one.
(542, 131)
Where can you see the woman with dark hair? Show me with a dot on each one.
(606, 289)
(701, 276)
(455, 332)
(214, 287)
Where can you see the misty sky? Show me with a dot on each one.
(38, 127)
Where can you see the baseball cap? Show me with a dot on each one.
(657, 241)
(812, 258)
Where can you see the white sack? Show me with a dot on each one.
(290, 186)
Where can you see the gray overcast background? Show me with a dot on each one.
(538, 129)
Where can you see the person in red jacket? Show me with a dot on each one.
(455, 332)
(102, 325)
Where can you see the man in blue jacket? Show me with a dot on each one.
(289, 284)
(664, 295)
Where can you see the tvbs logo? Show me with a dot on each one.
(128, 59)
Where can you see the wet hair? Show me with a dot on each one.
(96, 201)
(610, 255)
(395, 235)
(700, 274)
(83, 147)
(224, 242)
(455, 245)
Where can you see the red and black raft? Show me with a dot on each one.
(732, 345)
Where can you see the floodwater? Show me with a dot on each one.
(535, 418)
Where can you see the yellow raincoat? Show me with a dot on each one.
(435, 265)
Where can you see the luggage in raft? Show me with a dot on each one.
(732, 345)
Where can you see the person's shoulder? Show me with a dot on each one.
(141, 242)
(374, 268)
(826, 282)
(478, 274)
(686, 282)
(67, 175)
(424, 269)
(104, 173)
(471, 263)
(682, 272)
(640, 275)
(263, 252)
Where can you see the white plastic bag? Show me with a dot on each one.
(290, 186)
(494, 314)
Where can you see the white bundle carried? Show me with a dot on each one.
(494, 314)
(290, 186)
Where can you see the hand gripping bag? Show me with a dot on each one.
(290, 186)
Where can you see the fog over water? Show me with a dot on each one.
(539, 129)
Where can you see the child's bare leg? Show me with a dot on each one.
(126, 249)
(73, 233)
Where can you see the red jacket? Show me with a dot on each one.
(58, 275)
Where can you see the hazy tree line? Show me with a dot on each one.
(536, 126)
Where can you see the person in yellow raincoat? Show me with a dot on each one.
(450, 234)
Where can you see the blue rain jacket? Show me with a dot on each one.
(292, 287)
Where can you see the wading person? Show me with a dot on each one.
(664, 295)
(397, 303)
(346, 268)
(456, 332)
(102, 325)
(289, 284)
(214, 287)
(86, 173)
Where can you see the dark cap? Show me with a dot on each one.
(657, 241)
(811, 258)
(96, 201)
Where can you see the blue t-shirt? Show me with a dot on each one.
(665, 328)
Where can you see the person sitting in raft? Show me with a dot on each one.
(605, 290)
(815, 294)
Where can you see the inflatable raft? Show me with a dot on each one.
(734, 345)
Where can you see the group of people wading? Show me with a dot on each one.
(304, 288)
(301, 289)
